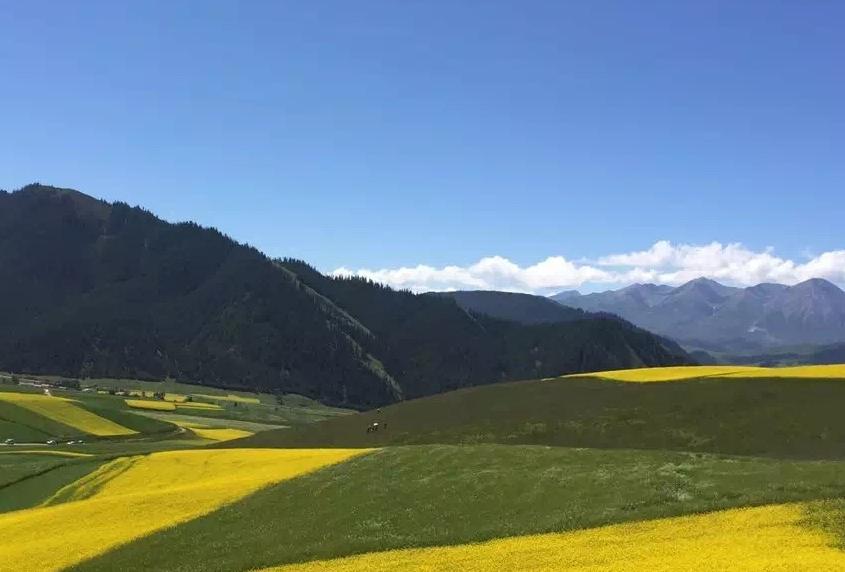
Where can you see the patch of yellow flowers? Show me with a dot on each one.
(134, 496)
(174, 397)
(212, 433)
(229, 397)
(763, 538)
(835, 371)
(170, 405)
(654, 374)
(220, 434)
(66, 412)
(151, 405)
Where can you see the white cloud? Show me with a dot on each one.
(662, 263)
(660, 254)
(490, 273)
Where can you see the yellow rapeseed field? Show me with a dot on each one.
(225, 434)
(66, 412)
(649, 374)
(230, 397)
(152, 405)
(135, 496)
(174, 397)
(213, 433)
(764, 538)
(652, 374)
(836, 371)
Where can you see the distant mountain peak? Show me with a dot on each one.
(705, 289)
(768, 286)
(817, 284)
(706, 313)
(636, 286)
(703, 282)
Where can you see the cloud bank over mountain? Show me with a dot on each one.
(663, 263)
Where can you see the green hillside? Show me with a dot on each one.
(514, 307)
(772, 417)
(30, 479)
(14, 467)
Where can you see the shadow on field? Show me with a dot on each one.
(434, 495)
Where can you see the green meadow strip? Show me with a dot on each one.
(766, 417)
(37, 488)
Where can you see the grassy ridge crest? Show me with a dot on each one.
(798, 418)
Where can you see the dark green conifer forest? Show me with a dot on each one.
(92, 289)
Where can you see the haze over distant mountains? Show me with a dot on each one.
(706, 314)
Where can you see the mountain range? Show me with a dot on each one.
(93, 289)
(707, 315)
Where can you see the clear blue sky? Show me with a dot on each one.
(378, 134)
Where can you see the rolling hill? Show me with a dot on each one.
(481, 478)
(724, 410)
(92, 289)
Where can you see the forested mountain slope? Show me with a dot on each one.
(432, 345)
(89, 288)
(515, 307)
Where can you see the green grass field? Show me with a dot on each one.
(15, 467)
(209, 421)
(769, 417)
(38, 478)
(294, 409)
